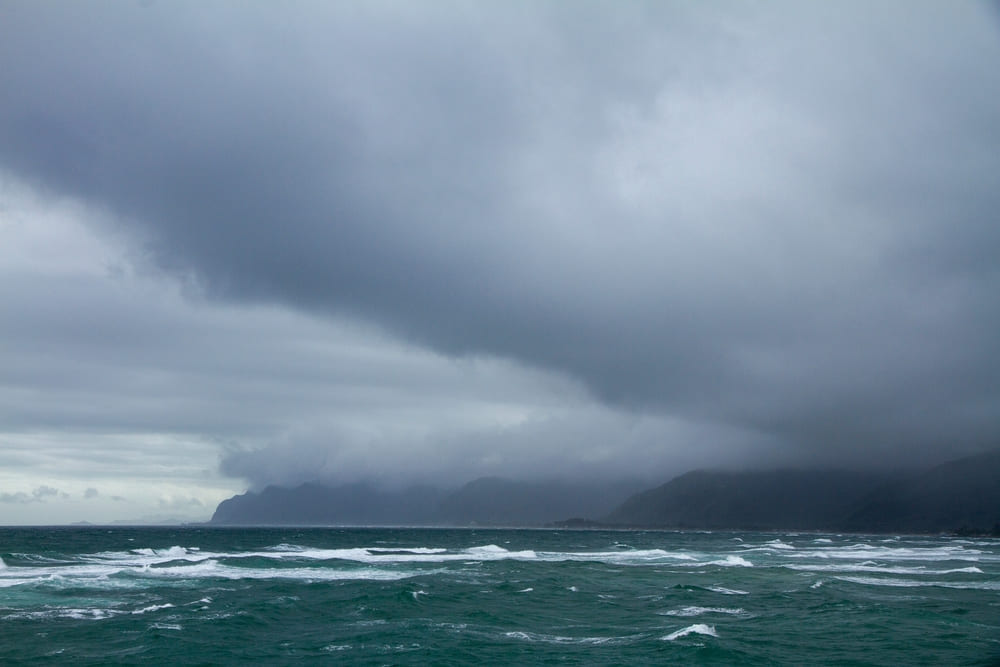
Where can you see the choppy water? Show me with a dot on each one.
(419, 596)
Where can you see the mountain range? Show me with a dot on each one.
(961, 496)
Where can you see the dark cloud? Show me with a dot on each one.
(779, 220)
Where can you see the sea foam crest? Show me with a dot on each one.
(696, 629)
(559, 639)
(870, 566)
(698, 611)
(912, 583)
(863, 551)
(731, 561)
(778, 544)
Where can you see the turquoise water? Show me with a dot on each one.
(437, 596)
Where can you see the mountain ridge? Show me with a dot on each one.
(959, 496)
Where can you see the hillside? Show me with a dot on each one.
(958, 496)
(488, 501)
(807, 500)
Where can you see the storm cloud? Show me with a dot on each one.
(770, 225)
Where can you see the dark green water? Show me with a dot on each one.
(429, 596)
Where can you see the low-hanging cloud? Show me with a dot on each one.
(775, 219)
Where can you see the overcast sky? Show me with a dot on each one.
(249, 243)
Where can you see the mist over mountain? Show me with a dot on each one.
(492, 500)
(318, 504)
(795, 499)
(484, 501)
(958, 496)
(962, 495)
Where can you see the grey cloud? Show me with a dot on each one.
(775, 219)
(91, 493)
(180, 503)
(39, 495)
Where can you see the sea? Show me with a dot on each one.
(434, 596)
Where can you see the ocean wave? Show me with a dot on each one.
(76, 613)
(698, 611)
(179, 556)
(916, 583)
(882, 569)
(696, 629)
(153, 607)
(778, 544)
(728, 561)
(560, 639)
(872, 552)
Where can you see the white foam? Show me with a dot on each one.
(166, 626)
(493, 552)
(170, 552)
(869, 552)
(778, 544)
(86, 614)
(869, 566)
(698, 611)
(730, 561)
(914, 583)
(559, 639)
(727, 591)
(154, 607)
(696, 629)
(526, 590)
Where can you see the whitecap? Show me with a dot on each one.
(154, 607)
(727, 591)
(697, 629)
(913, 583)
(165, 626)
(698, 611)
(559, 639)
(526, 590)
(493, 552)
(730, 561)
(778, 544)
(868, 552)
(83, 614)
(873, 567)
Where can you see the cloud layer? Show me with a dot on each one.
(777, 222)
